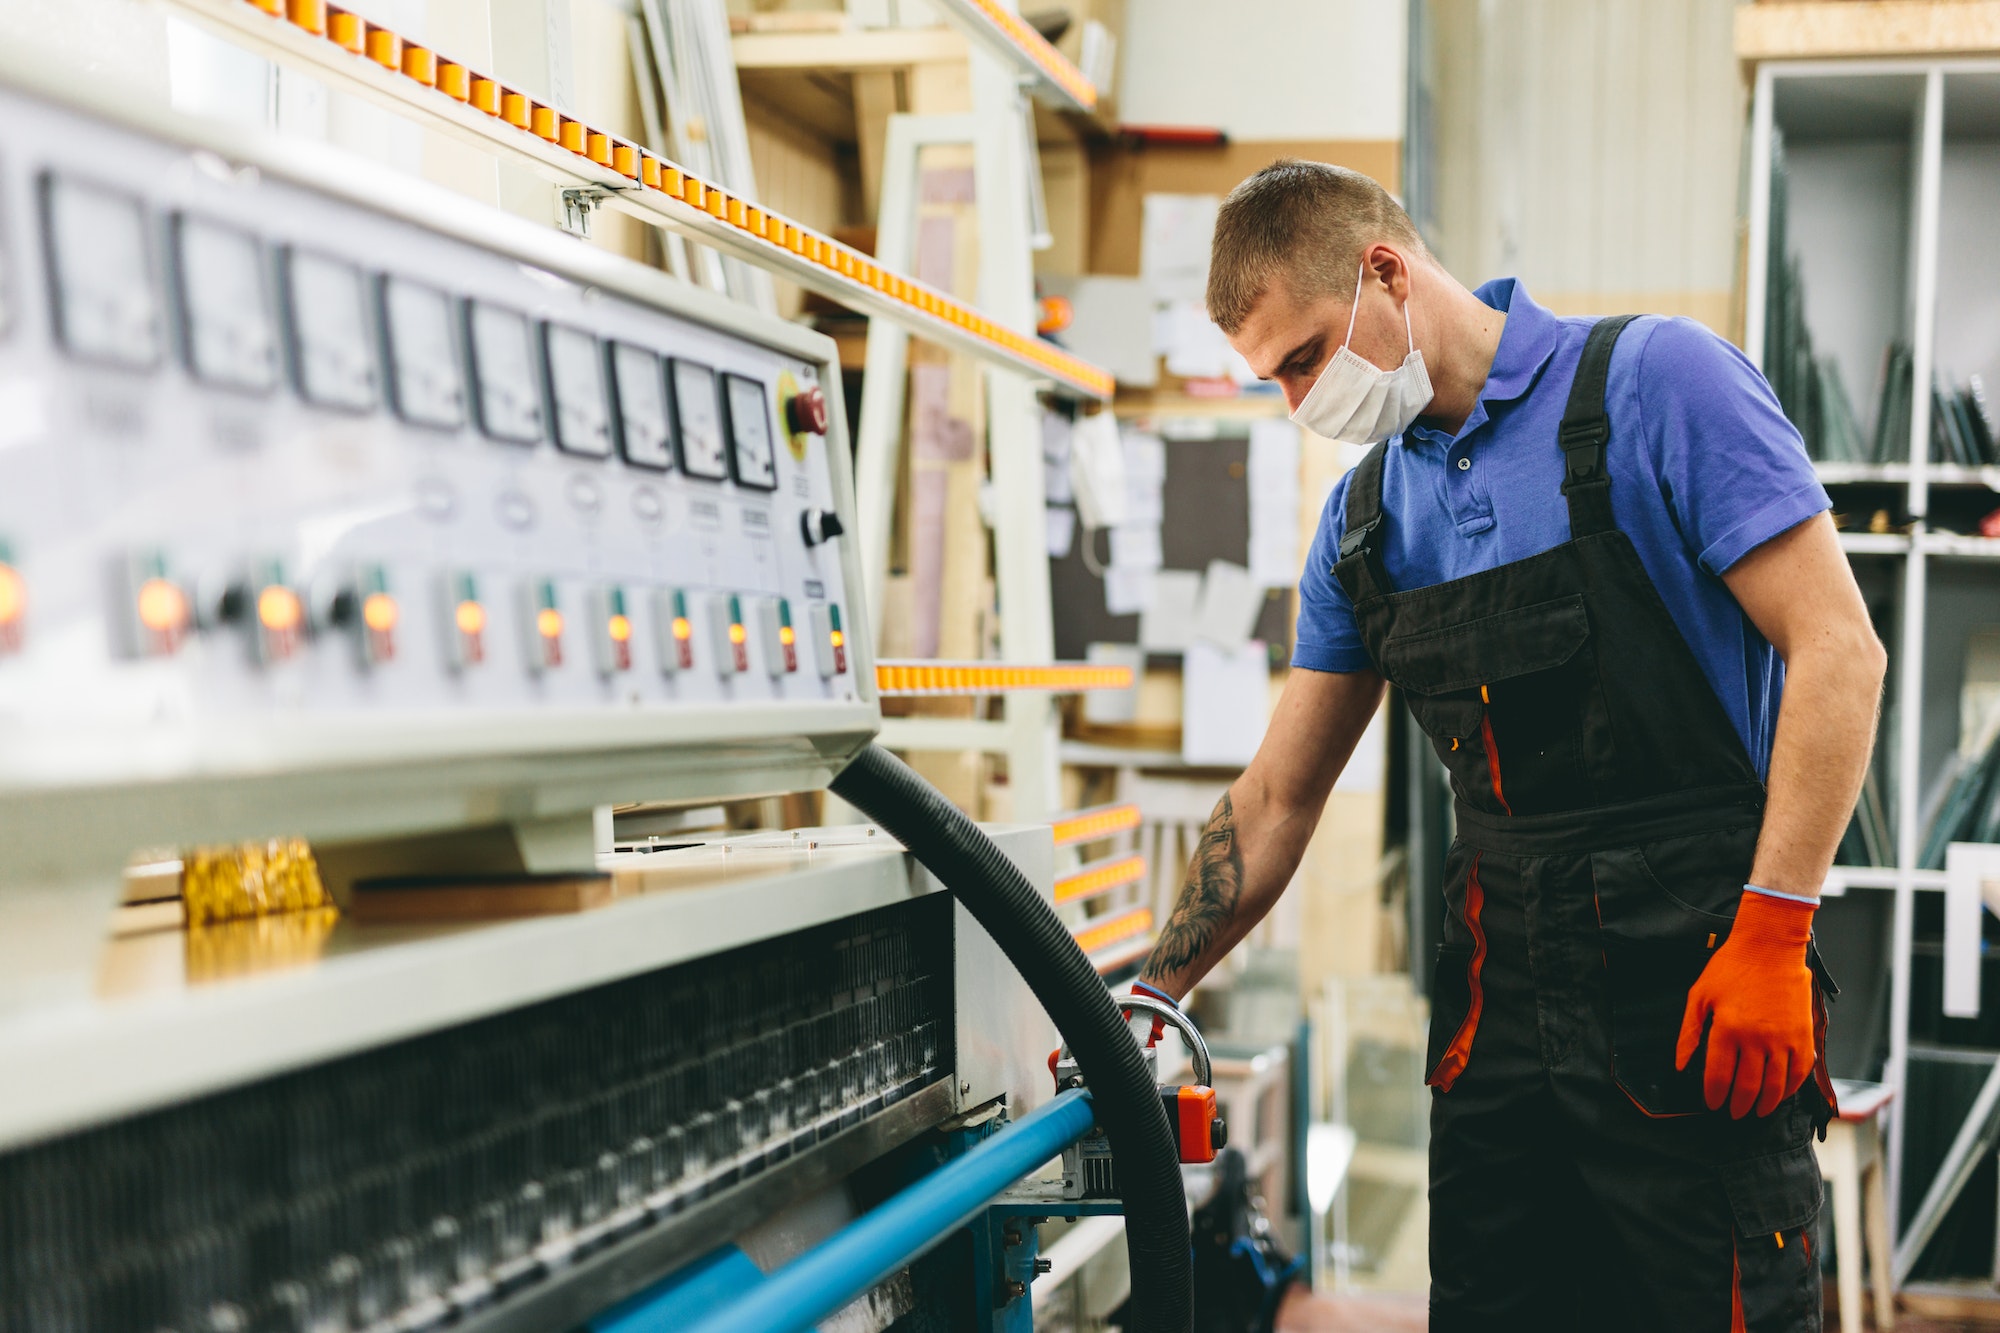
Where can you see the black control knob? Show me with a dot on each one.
(1218, 1134)
(807, 411)
(820, 525)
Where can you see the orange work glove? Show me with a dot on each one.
(1758, 990)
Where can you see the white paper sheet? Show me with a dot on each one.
(1193, 346)
(1111, 325)
(1274, 503)
(1175, 233)
(1230, 601)
(1062, 531)
(1127, 591)
(1136, 546)
(1167, 623)
(1097, 470)
(1056, 431)
(1225, 703)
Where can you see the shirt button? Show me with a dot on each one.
(1465, 465)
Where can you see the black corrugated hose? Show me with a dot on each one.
(979, 875)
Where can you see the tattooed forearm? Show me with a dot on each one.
(1207, 902)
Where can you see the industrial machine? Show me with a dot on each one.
(334, 508)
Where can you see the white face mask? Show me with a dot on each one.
(1355, 402)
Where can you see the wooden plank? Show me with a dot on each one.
(863, 49)
(478, 900)
(1836, 28)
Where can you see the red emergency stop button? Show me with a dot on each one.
(807, 411)
(1198, 1132)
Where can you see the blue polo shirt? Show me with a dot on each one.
(1704, 468)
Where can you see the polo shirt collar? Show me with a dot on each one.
(1527, 341)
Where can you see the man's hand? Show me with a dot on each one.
(1755, 998)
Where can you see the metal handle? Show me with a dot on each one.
(1204, 1072)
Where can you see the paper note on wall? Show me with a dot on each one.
(1274, 504)
(1225, 703)
(1062, 531)
(1136, 546)
(1175, 231)
(1127, 591)
(1167, 624)
(1229, 605)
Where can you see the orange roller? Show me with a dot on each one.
(718, 204)
(420, 65)
(385, 48)
(308, 14)
(347, 31)
(569, 133)
(514, 109)
(597, 147)
(693, 191)
(672, 181)
(649, 171)
(625, 161)
(485, 95)
(453, 81)
(545, 122)
(753, 221)
(275, 8)
(738, 213)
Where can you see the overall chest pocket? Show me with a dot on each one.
(1506, 700)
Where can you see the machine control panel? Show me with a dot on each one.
(269, 451)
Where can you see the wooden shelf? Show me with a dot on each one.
(1846, 29)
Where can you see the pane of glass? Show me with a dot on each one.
(106, 305)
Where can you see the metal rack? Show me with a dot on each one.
(1902, 105)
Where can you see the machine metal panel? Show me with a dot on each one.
(192, 444)
(1004, 1036)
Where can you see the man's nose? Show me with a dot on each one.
(1296, 388)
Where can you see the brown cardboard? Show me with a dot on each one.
(1121, 177)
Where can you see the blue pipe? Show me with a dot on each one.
(859, 1255)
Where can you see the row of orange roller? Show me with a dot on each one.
(384, 47)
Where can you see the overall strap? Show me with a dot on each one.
(1359, 567)
(1586, 430)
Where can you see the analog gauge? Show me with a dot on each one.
(326, 310)
(225, 305)
(506, 391)
(698, 414)
(101, 269)
(575, 368)
(645, 431)
(426, 377)
(752, 454)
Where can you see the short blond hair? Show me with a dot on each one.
(1302, 223)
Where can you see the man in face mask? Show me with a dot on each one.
(1594, 559)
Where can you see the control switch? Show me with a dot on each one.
(732, 640)
(829, 640)
(463, 619)
(610, 630)
(674, 630)
(156, 610)
(541, 626)
(779, 641)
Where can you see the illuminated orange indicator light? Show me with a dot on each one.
(278, 609)
(281, 619)
(379, 612)
(613, 644)
(739, 638)
(620, 628)
(788, 638)
(163, 611)
(545, 644)
(470, 617)
(13, 608)
(838, 638)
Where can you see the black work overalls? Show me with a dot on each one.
(1607, 817)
